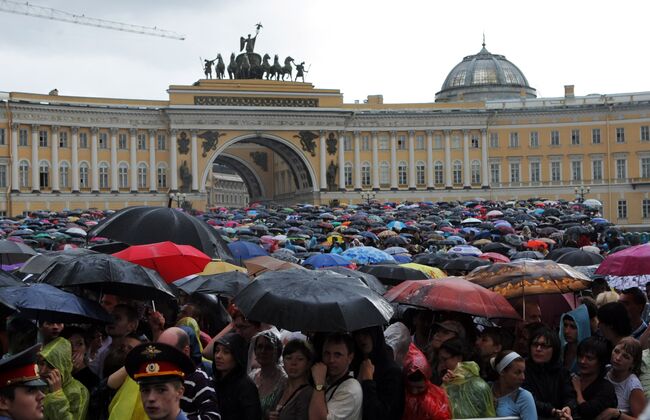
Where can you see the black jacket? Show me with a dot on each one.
(550, 384)
(598, 396)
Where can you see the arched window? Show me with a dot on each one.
(457, 172)
(44, 174)
(142, 175)
(419, 172)
(123, 175)
(384, 173)
(162, 176)
(365, 174)
(347, 171)
(476, 172)
(83, 175)
(23, 173)
(103, 175)
(438, 172)
(402, 176)
(64, 175)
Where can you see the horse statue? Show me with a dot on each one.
(232, 67)
(287, 69)
(266, 66)
(244, 67)
(276, 69)
(219, 68)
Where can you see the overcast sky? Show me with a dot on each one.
(401, 49)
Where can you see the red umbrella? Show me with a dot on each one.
(452, 294)
(170, 260)
(494, 257)
(633, 261)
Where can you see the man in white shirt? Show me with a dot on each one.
(337, 395)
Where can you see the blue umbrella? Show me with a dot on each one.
(395, 224)
(457, 240)
(396, 250)
(370, 235)
(465, 251)
(43, 302)
(243, 250)
(403, 259)
(326, 260)
(367, 255)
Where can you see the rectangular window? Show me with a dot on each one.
(2, 136)
(495, 173)
(83, 140)
(455, 142)
(419, 142)
(142, 142)
(437, 173)
(63, 139)
(535, 171)
(597, 170)
(576, 170)
(401, 142)
(534, 139)
(494, 140)
(620, 135)
(555, 138)
(419, 174)
(103, 177)
(3, 176)
(162, 177)
(365, 175)
(437, 142)
(622, 209)
(348, 175)
(121, 141)
(595, 135)
(645, 133)
(474, 142)
(645, 209)
(514, 139)
(645, 167)
(365, 143)
(23, 137)
(621, 169)
(103, 140)
(162, 142)
(575, 137)
(556, 171)
(42, 138)
(383, 143)
(515, 175)
(347, 143)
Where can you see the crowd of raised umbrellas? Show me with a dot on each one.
(317, 269)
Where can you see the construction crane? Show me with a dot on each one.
(27, 9)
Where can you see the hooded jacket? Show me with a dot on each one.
(469, 394)
(71, 401)
(433, 403)
(580, 316)
(237, 396)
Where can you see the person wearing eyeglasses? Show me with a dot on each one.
(546, 378)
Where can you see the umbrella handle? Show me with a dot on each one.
(153, 305)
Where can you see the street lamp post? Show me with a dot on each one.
(580, 192)
(180, 199)
(368, 196)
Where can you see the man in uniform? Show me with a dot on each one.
(159, 369)
(21, 388)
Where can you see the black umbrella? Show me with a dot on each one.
(43, 302)
(141, 225)
(396, 241)
(312, 300)
(110, 247)
(464, 264)
(368, 279)
(580, 258)
(228, 284)
(107, 274)
(12, 252)
(558, 252)
(498, 247)
(9, 280)
(392, 274)
(39, 263)
(434, 259)
(531, 255)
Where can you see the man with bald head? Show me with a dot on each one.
(199, 399)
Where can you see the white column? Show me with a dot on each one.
(341, 162)
(15, 159)
(195, 162)
(357, 161)
(115, 185)
(36, 184)
(323, 161)
(74, 158)
(133, 160)
(55, 159)
(393, 161)
(448, 182)
(173, 163)
(467, 175)
(412, 180)
(430, 184)
(485, 179)
(153, 184)
(375, 162)
(94, 165)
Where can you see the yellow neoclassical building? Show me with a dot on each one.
(485, 134)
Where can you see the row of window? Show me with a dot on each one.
(401, 142)
(575, 140)
(102, 140)
(84, 169)
(420, 170)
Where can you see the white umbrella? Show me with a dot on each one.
(470, 220)
(592, 203)
(494, 213)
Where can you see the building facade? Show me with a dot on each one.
(487, 135)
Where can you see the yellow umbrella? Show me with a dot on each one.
(218, 266)
(433, 272)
